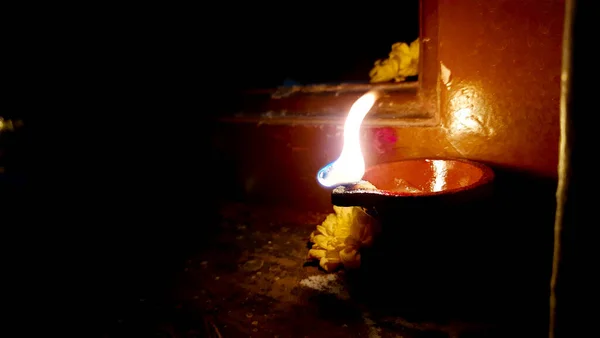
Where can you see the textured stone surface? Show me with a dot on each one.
(253, 279)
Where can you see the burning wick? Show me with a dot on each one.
(350, 166)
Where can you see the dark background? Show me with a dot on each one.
(136, 181)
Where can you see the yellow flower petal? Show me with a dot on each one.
(341, 236)
(322, 230)
(316, 253)
(330, 264)
(403, 61)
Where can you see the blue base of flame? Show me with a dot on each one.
(324, 173)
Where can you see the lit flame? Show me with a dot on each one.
(350, 166)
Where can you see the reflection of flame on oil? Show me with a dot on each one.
(440, 171)
(350, 166)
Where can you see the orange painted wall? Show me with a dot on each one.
(505, 58)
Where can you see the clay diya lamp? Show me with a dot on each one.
(435, 248)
